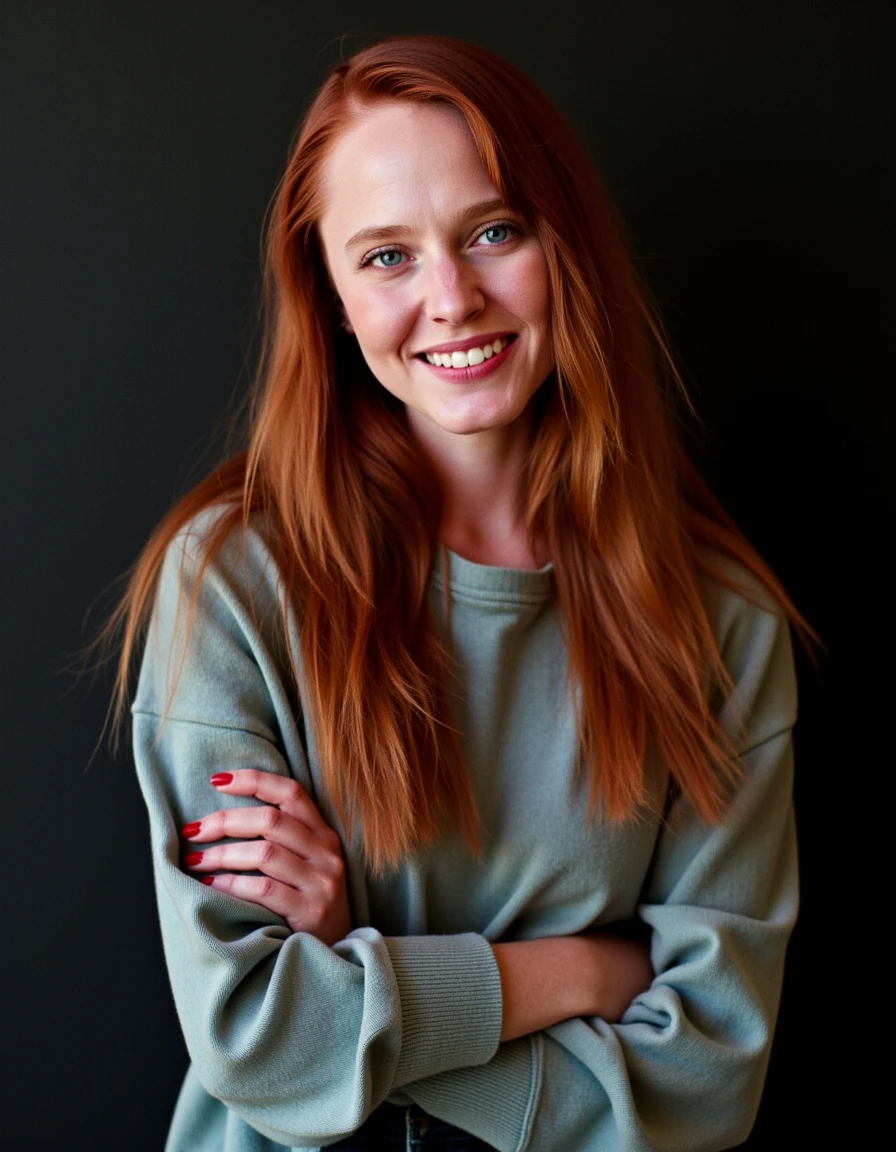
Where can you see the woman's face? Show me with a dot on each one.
(434, 270)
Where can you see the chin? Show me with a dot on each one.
(482, 419)
(470, 427)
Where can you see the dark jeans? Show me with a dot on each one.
(393, 1129)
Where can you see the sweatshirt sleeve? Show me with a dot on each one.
(300, 1040)
(684, 1069)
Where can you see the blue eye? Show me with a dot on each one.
(390, 259)
(496, 234)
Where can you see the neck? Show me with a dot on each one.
(482, 477)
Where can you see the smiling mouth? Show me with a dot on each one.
(471, 356)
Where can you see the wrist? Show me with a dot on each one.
(542, 982)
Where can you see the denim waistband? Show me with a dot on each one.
(391, 1128)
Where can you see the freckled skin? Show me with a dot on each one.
(440, 276)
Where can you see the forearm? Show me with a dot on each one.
(684, 1067)
(546, 981)
(264, 1009)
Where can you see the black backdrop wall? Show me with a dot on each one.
(140, 145)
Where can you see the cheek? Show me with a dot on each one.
(380, 321)
(538, 289)
(534, 306)
(525, 289)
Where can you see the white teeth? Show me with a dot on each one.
(467, 359)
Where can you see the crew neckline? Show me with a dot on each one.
(490, 581)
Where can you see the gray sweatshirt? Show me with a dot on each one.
(294, 1043)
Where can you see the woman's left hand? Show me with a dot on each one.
(288, 841)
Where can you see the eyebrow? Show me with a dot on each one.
(393, 231)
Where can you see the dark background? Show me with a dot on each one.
(140, 145)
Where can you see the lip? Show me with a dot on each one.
(466, 345)
(472, 372)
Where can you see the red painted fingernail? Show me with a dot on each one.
(193, 858)
(221, 778)
(191, 829)
(208, 879)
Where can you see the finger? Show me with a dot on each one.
(271, 894)
(267, 822)
(255, 856)
(283, 791)
(314, 913)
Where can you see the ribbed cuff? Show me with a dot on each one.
(451, 1008)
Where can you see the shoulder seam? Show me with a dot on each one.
(198, 723)
(785, 731)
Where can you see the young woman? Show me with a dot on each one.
(464, 719)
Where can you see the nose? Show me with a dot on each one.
(454, 293)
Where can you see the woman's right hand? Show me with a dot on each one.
(288, 841)
(561, 977)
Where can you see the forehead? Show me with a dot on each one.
(401, 159)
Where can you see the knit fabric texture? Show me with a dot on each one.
(293, 1043)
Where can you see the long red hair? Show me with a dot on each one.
(352, 512)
